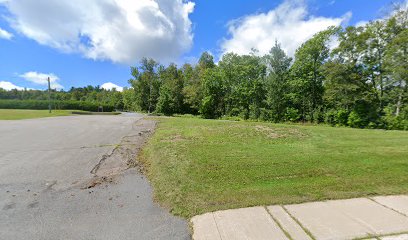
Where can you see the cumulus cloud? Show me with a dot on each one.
(110, 86)
(118, 30)
(6, 35)
(290, 24)
(41, 79)
(9, 86)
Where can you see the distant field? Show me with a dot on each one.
(198, 165)
(17, 114)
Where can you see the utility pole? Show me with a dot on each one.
(150, 94)
(49, 95)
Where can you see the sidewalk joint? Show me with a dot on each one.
(299, 223)
(216, 225)
(278, 223)
(382, 235)
(390, 208)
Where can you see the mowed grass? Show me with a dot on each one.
(198, 165)
(17, 114)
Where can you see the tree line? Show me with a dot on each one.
(360, 83)
(37, 99)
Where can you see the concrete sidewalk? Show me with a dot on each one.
(383, 218)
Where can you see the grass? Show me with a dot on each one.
(17, 114)
(198, 165)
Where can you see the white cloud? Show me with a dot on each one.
(119, 30)
(290, 24)
(110, 86)
(9, 86)
(41, 79)
(361, 23)
(6, 35)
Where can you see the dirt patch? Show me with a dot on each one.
(176, 138)
(269, 132)
(276, 133)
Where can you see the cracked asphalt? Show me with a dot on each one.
(68, 178)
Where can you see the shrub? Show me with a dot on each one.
(207, 107)
(356, 121)
(292, 115)
(393, 122)
(336, 117)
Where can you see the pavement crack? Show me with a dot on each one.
(122, 157)
(103, 159)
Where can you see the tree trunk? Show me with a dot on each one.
(398, 104)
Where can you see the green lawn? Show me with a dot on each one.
(17, 114)
(198, 165)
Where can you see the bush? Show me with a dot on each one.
(356, 121)
(336, 117)
(207, 108)
(292, 115)
(364, 114)
(165, 104)
(265, 114)
(393, 122)
(58, 105)
(342, 117)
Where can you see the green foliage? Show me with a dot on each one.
(292, 115)
(60, 105)
(86, 98)
(337, 117)
(130, 100)
(165, 104)
(393, 122)
(213, 90)
(244, 90)
(306, 81)
(351, 85)
(192, 90)
(278, 65)
(146, 84)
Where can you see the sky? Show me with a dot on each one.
(94, 42)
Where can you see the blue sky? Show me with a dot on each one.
(76, 48)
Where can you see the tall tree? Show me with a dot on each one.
(193, 81)
(146, 84)
(171, 91)
(278, 64)
(243, 76)
(213, 93)
(396, 63)
(306, 78)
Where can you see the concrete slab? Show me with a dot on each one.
(205, 227)
(398, 203)
(376, 218)
(348, 219)
(397, 237)
(248, 223)
(287, 223)
(324, 222)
